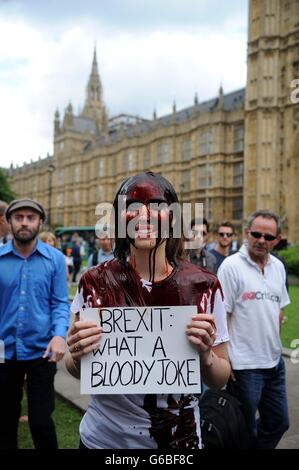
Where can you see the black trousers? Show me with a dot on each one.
(41, 401)
(77, 266)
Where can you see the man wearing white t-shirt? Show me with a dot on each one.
(253, 283)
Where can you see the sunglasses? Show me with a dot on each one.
(267, 236)
(224, 234)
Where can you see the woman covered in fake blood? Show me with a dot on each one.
(149, 270)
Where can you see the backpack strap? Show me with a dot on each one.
(95, 258)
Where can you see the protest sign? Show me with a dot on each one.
(142, 350)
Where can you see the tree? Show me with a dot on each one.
(6, 193)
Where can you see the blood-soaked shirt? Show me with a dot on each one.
(147, 421)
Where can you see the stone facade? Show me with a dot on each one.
(271, 157)
(205, 150)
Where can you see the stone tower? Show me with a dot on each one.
(94, 107)
(271, 157)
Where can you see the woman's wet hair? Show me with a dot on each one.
(174, 246)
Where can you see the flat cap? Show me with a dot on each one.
(23, 204)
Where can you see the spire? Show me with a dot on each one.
(68, 116)
(94, 106)
(56, 122)
(94, 69)
(69, 108)
(220, 97)
(94, 86)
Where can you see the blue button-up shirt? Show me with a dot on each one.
(33, 300)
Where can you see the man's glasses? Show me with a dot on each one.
(224, 234)
(267, 236)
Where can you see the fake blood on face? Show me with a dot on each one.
(146, 205)
(147, 217)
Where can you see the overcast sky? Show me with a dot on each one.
(150, 53)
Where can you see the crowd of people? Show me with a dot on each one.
(239, 293)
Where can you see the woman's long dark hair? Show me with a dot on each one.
(174, 246)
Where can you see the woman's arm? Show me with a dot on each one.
(215, 365)
(73, 366)
(83, 337)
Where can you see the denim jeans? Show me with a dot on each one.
(263, 390)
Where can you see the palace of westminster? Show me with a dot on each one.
(236, 153)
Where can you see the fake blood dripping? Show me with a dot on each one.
(174, 427)
(113, 284)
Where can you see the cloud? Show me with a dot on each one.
(128, 14)
(43, 67)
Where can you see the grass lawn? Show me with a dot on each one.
(67, 420)
(72, 291)
(290, 328)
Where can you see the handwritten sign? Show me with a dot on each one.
(142, 350)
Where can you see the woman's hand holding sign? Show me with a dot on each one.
(83, 337)
(202, 332)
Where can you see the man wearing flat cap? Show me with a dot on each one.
(34, 318)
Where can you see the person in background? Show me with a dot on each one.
(77, 258)
(50, 239)
(91, 245)
(4, 227)
(74, 238)
(200, 255)
(69, 261)
(103, 253)
(235, 244)
(64, 243)
(34, 319)
(253, 284)
(224, 237)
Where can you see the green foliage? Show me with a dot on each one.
(291, 258)
(72, 291)
(290, 326)
(6, 194)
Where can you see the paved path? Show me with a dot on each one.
(68, 388)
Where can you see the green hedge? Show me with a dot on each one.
(291, 258)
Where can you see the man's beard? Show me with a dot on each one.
(25, 239)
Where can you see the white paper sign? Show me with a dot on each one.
(142, 350)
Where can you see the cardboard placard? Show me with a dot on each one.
(142, 350)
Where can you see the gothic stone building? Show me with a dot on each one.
(236, 153)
